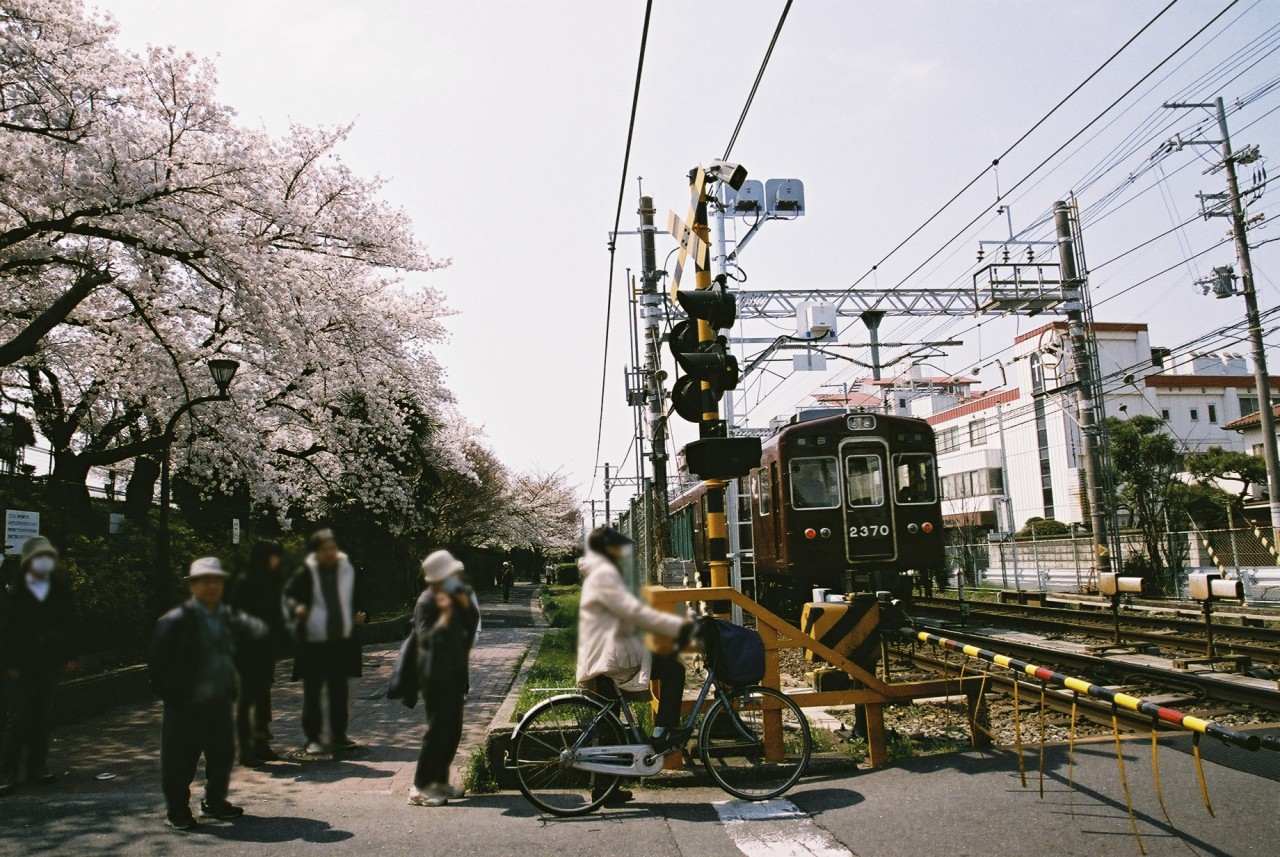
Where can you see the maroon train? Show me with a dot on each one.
(848, 502)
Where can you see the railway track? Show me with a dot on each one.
(1260, 644)
(1201, 684)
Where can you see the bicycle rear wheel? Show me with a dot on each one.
(543, 739)
(755, 743)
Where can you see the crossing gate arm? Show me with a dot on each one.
(1162, 713)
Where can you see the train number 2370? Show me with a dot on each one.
(873, 530)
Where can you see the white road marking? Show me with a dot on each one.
(776, 828)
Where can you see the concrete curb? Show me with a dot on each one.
(498, 736)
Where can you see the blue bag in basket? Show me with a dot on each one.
(739, 654)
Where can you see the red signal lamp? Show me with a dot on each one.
(926, 527)
(810, 533)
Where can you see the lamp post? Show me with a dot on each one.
(223, 371)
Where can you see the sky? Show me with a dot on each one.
(499, 127)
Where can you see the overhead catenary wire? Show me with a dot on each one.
(746, 108)
(613, 241)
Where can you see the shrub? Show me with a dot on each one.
(476, 776)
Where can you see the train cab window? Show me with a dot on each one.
(764, 499)
(915, 480)
(815, 483)
(863, 480)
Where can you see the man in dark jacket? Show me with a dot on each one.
(508, 578)
(37, 625)
(192, 667)
(257, 592)
(445, 622)
(320, 605)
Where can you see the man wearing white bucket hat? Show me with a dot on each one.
(445, 622)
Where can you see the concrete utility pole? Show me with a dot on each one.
(1239, 232)
(1261, 378)
(608, 487)
(1083, 362)
(659, 531)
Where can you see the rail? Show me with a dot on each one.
(1162, 713)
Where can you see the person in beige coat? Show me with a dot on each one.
(611, 650)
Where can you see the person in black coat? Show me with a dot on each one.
(37, 629)
(192, 667)
(445, 623)
(257, 592)
(320, 605)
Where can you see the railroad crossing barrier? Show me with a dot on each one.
(872, 695)
(1158, 713)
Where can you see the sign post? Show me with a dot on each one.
(19, 525)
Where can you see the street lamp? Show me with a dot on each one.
(223, 371)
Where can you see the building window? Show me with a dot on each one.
(1257, 449)
(815, 483)
(1213, 413)
(902, 403)
(977, 433)
(1164, 414)
(1195, 414)
(948, 439)
(1248, 405)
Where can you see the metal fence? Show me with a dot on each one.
(1066, 564)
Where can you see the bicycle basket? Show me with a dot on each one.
(734, 653)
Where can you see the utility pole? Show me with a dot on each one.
(872, 318)
(659, 531)
(1082, 360)
(732, 524)
(608, 486)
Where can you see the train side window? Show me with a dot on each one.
(864, 483)
(815, 483)
(764, 499)
(915, 479)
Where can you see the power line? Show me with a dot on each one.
(759, 75)
(613, 240)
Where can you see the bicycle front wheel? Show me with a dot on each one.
(543, 740)
(755, 743)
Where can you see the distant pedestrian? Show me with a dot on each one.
(508, 578)
(192, 667)
(549, 574)
(257, 592)
(320, 603)
(37, 627)
(445, 621)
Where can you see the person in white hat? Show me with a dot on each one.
(445, 623)
(192, 667)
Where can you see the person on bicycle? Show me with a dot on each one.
(611, 650)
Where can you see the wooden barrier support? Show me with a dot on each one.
(779, 634)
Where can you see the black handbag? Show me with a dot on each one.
(404, 675)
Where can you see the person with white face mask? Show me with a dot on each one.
(37, 628)
(611, 651)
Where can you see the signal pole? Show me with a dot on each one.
(1239, 232)
(651, 306)
(1083, 362)
(711, 426)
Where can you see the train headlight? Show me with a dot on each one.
(926, 527)
(810, 533)
(825, 532)
(911, 528)
(861, 422)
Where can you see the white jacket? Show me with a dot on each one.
(610, 620)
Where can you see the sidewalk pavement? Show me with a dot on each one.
(109, 766)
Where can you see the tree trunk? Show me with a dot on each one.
(68, 494)
(140, 491)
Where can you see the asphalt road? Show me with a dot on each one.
(955, 805)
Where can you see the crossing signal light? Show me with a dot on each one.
(717, 307)
(710, 363)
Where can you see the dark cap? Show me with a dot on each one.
(606, 537)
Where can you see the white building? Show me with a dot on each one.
(1022, 441)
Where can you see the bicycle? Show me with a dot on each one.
(571, 751)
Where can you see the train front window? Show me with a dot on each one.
(863, 482)
(915, 480)
(815, 483)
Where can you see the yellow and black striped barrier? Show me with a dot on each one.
(1116, 698)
